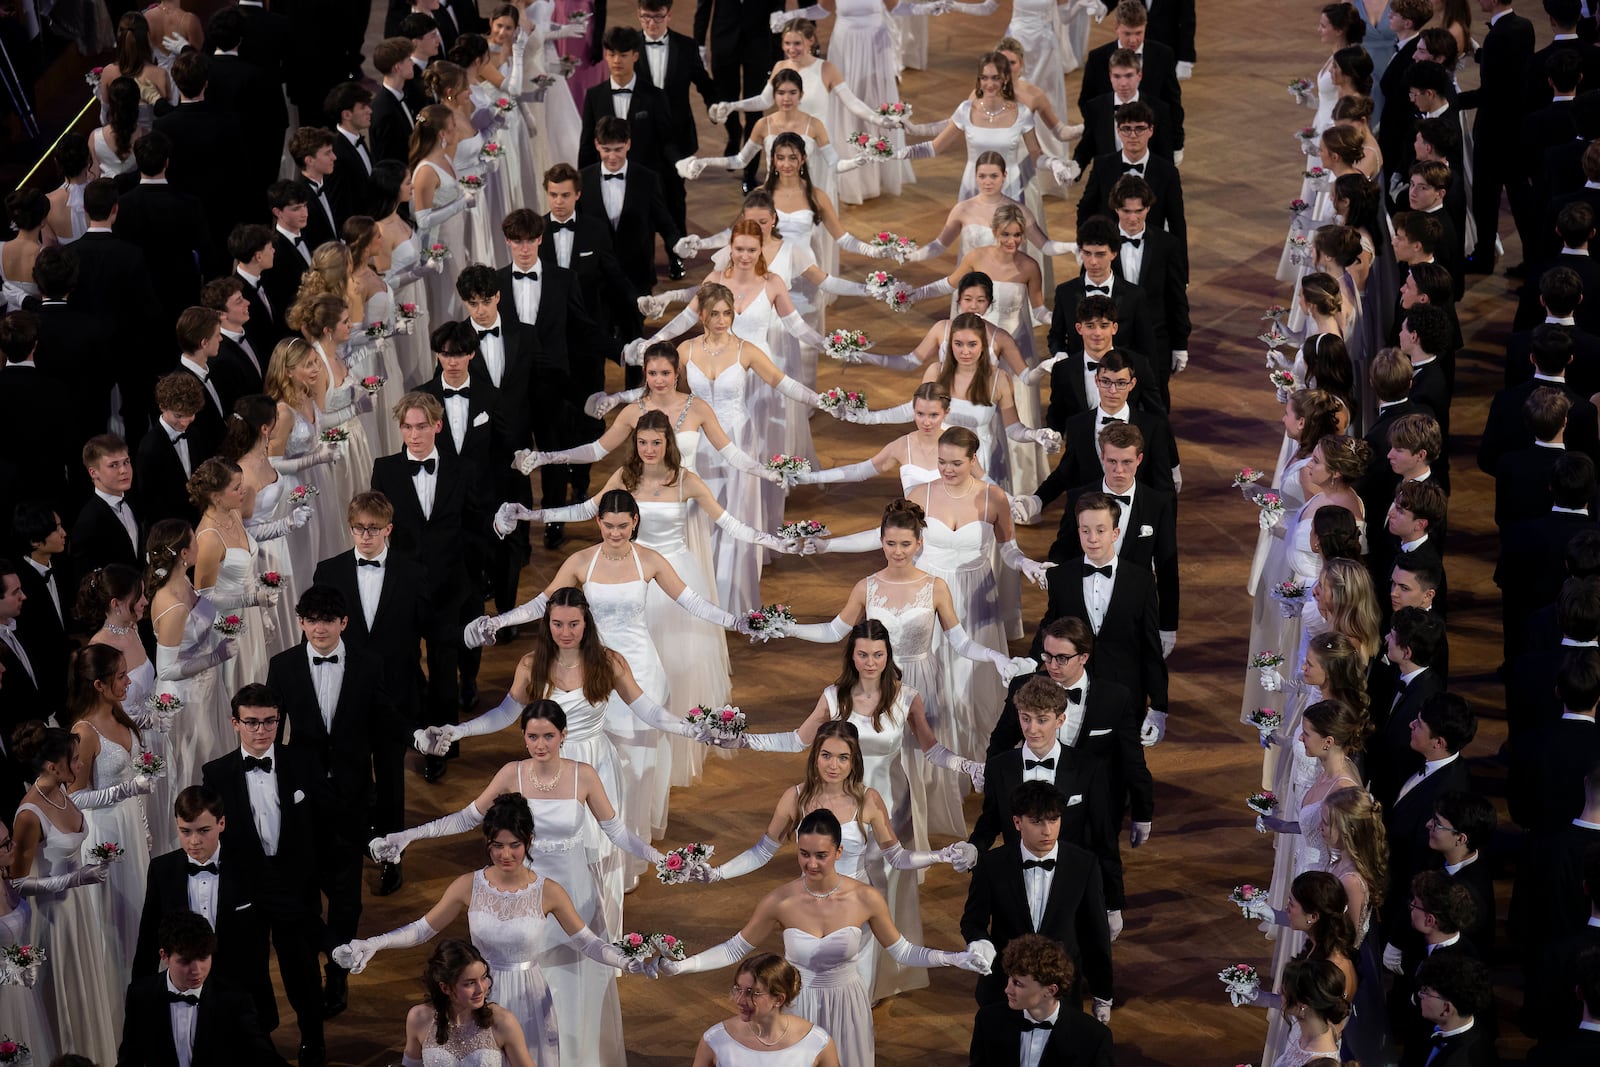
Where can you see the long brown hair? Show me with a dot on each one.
(599, 679)
(854, 786)
(888, 690)
(671, 458)
(981, 391)
(444, 968)
(91, 664)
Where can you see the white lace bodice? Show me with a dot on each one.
(466, 1045)
(508, 928)
(906, 611)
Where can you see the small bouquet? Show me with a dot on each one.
(871, 145)
(788, 467)
(23, 956)
(880, 283)
(899, 300)
(1266, 721)
(491, 149)
(899, 110)
(668, 947)
(409, 313)
(898, 246)
(271, 579)
(1282, 380)
(1247, 477)
(565, 66)
(472, 181)
(1241, 982)
(1308, 141)
(578, 17)
(373, 382)
(148, 765)
(634, 946)
(1289, 592)
(377, 330)
(15, 1051)
(93, 80)
(543, 81)
(769, 621)
(725, 722)
(1302, 91)
(1275, 313)
(229, 625)
(799, 531)
(1274, 338)
(334, 435)
(843, 344)
(677, 867)
(505, 106)
(1298, 207)
(849, 399)
(1249, 898)
(1319, 177)
(1300, 252)
(434, 256)
(169, 703)
(106, 851)
(1266, 660)
(302, 494)
(1271, 505)
(1262, 802)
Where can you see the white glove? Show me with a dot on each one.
(689, 168)
(480, 632)
(1271, 680)
(433, 741)
(1025, 509)
(526, 462)
(983, 952)
(1139, 833)
(1064, 171)
(1017, 665)
(1114, 921)
(718, 113)
(653, 307)
(1102, 1011)
(845, 166)
(1185, 70)
(1037, 573)
(300, 516)
(688, 247)
(354, 956)
(1258, 908)
(1169, 641)
(1047, 439)
(633, 352)
(1177, 479)
(1180, 360)
(963, 856)
(602, 403)
(1177, 158)
(775, 23)
(506, 519)
(1154, 728)
(1392, 960)
(174, 42)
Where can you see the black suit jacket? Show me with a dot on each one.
(115, 286)
(20, 701)
(265, 328)
(254, 98)
(567, 347)
(206, 143)
(486, 443)
(1397, 120)
(684, 71)
(729, 24)
(163, 492)
(234, 373)
(42, 632)
(1522, 484)
(205, 432)
(1074, 914)
(434, 541)
(1530, 312)
(1164, 280)
(1172, 23)
(644, 215)
(1390, 759)
(305, 803)
(1076, 1040)
(1431, 390)
(650, 124)
(1152, 509)
(1406, 820)
(76, 348)
(1539, 93)
(1069, 395)
(38, 445)
(1548, 900)
(227, 1029)
(390, 132)
(268, 41)
(348, 184)
(607, 291)
(1165, 185)
(1547, 765)
(319, 229)
(1100, 128)
(98, 537)
(1127, 647)
(1135, 334)
(1532, 562)
(398, 623)
(1080, 458)
(1579, 1046)
(282, 280)
(1378, 484)
(1503, 60)
(169, 225)
(1158, 80)
(1506, 427)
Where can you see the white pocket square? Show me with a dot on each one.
(242, 907)
(299, 795)
(1076, 798)
(1147, 531)
(1098, 733)
(582, 254)
(482, 419)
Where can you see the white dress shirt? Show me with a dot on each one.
(124, 513)
(612, 193)
(201, 371)
(180, 444)
(1034, 1041)
(620, 102)
(369, 585)
(1091, 388)
(8, 634)
(656, 56)
(253, 282)
(49, 576)
(1036, 880)
(424, 483)
(1097, 592)
(238, 338)
(456, 412)
(1072, 723)
(1102, 416)
(1427, 768)
(1041, 774)
(299, 242)
(327, 678)
(492, 350)
(184, 1018)
(203, 887)
(562, 240)
(526, 292)
(1127, 509)
(1109, 285)
(319, 191)
(264, 810)
(1131, 257)
(400, 98)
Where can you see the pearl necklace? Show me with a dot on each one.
(821, 896)
(774, 1041)
(46, 797)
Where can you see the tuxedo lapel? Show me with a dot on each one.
(1017, 888)
(300, 672)
(1058, 889)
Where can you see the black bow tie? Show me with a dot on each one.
(297, 239)
(1103, 290)
(1133, 168)
(619, 92)
(1027, 1023)
(1106, 420)
(1075, 696)
(369, 563)
(251, 763)
(1134, 241)
(1123, 500)
(570, 224)
(49, 572)
(204, 376)
(618, 176)
(463, 393)
(1048, 865)
(182, 998)
(317, 661)
(181, 435)
(420, 465)
(1091, 364)
(1089, 568)
(1047, 764)
(201, 868)
(527, 275)
(656, 44)
(493, 331)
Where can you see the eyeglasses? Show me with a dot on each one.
(1420, 995)
(739, 992)
(645, 16)
(367, 531)
(1115, 385)
(1134, 127)
(1435, 824)
(1048, 658)
(259, 724)
(1417, 905)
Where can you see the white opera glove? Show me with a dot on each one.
(988, 7)
(862, 541)
(1041, 370)
(689, 168)
(1139, 833)
(605, 953)
(322, 453)
(651, 307)
(942, 757)
(855, 245)
(436, 740)
(931, 8)
(1066, 131)
(920, 150)
(88, 799)
(1042, 316)
(388, 848)
(906, 954)
(1009, 667)
(355, 955)
(1169, 641)
(715, 958)
(189, 664)
(1177, 158)
(152, 718)
(701, 608)
(855, 472)
(931, 250)
(627, 840)
(1035, 572)
(853, 104)
(779, 19)
(762, 101)
(481, 631)
(492, 721)
(1044, 437)
(507, 518)
(962, 855)
(1064, 171)
(1102, 1011)
(1025, 509)
(84, 874)
(1154, 728)
(924, 129)
(1185, 70)
(1392, 959)
(429, 218)
(822, 633)
(657, 717)
(751, 859)
(569, 512)
(1260, 908)
(1271, 679)
(741, 460)
(842, 287)
(1114, 921)
(1180, 360)
(941, 287)
(734, 525)
(789, 742)
(905, 361)
(601, 404)
(527, 461)
(633, 352)
(174, 42)
(1059, 248)
(687, 247)
(682, 323)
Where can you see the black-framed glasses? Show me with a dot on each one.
(1436, 823)
(366, 531)
(1134, 127)
(1048, 658)
(259, 724)
(1114, 384)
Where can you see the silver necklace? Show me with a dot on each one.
(821, 896)
(1005, 105)
(120, 631)
(775, 1040)
(545, 787)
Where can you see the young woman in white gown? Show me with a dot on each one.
(111, 793)
(83, 1007)
(1314, 1000)
(227, 571)
(438, 204)
(972, 219)
(324, 323)
(566, 797)
(1032, 45)
(447, 83)
(68, 219)
(917, 612)
(551, 108)
(861, 46)
(26, 210)
(391, 187)
(112, 144)
(293, 375)
(508, 910)
(914, 456)
(370, 351)
(826, 919)
(763, 1034)
(515, 172)
(189, 651)
(137, 60)
(460, 1026)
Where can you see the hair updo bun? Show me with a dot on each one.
(902, 514)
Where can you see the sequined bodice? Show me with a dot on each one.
(909, 617)
(302, 437)
(466, 1045)
(508, 928)
(113, 764)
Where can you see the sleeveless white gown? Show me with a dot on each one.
(832, 994)
(511, 930)
(730, 1053)
(237, 578)
(22, 1010)
(158, 803)
(738, 564)
(272, 504)
(122, 894)
(195, 738)
(443, 303)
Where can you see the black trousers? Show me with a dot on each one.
(291, 917)
(554, 428)
(736, 73)
(1495, 168)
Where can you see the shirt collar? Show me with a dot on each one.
(338, 650)
(1430, 766)
(1575, 251)
(114, 501)
(633, 82)
(1456, 868)
(1559, 510)
(1108, 491)
(1411, 676)
(1026, 855)
(270, 751)
(1051, 1018)
(623, 170)
(1411, 546)
(198, 368)
(381, 557)
(1567, 642)
(1560, 320)
(175, 991)
(434, 455)
(1112, 564)
(37, 568)
(1463, 1028)
(172, 431)
(1054, 753)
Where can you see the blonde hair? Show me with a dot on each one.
(288, 356)
(1005, 215)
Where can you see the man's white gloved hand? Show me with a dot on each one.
(1180, 360)
(1114, 921)
(1169, 641)
(1025, 509)
(1154, 728)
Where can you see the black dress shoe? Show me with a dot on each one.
(555, 534)
(1518, 271)
(675, 268)
(390, 878)
(432, 768)
(336, 992)
(312, 1056)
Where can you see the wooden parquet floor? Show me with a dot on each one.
(1241, 169)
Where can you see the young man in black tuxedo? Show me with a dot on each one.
(1158, 65)
(582, 244)
(167, 455)
(349, 105)
(1503, 60)
(1031, 1028)
(1532, 564)
(36, 444)
(1463, 825)
(1546, 761)
(20, 695)
(206, 144)
(1428, 183)
(1115, 381)
(1098, 245)
(1119, 603)
(237, 369)
(1152, 259)
(423, 33)
(1438, 910)
(436, 509)
(1100, 114)
(738, 38)
(47, 605)
(292, 245)
(1047, 756)
(1575, 228)
(627, 96)
(195, 878)
(1073, 389)
(1563, 1005)
(627, 196)
(199, 333)
(1452, 990)
(1397, 117)
(1413, 442)
(1042, 886)
(1390, 379)
(106, 530)
(1424, 335)
(392, 117)
(169, 226)
(336, 706)
(251, 93)
(279, 837)
(1414, 528)
(253, 248)
(1411, 644)
(212, 1021)
(672, 64)
(311, 148)
(1574, 624)
(1507, 427)
(1560, 293)
(1135, 125)
(389, 614)
(76, 347)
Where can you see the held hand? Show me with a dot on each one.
(300, 516)
(847, 165)
(325, 452)
(1185, 70)
(526, 461)
(688, 247)
(718, 114)
(479, 632)
(1154, 728)
(1272, 823)
(1102, 1011)
(229, 647)
(1017, 665)
(354, 956)
(1114, 922)
(1271, 680)
(633, 352)
(652, 307)
(982, 951)
(1258, 908)
(1047, 439)
(776, 20)
(383, 851)
(1169, 641)
(1037, 573)
(99, 872)
(1180, 360)
(704, 875)
(435, 740)
(1025, 509)
(1139, 833)
(266, 596)
(1065, 172)
(668, 968)
(506, 519)
(813, 546)
(600, 404)
(144, 785)
(1392, 959)
(971, 960)
(973, 770)
(963, 855)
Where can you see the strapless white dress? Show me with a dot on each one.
(158, 803)
(831, 991)
(414, 359)
(237, 579)
(123, 822)
(22, 1010)
(443, 302)
(1034, 25)
(782, 422)
(277, 554)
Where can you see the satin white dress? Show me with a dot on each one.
(512, 930)
(860, 47)
(376, 356)
(124, 822)
(196, 737)
(588, 742)
(1006, 140)
(482, 221)
(413, 357)
(781, 421)
(23, 1013)
(1030, 464)
(730, 1053)
(352, 473)
(832, 994)
(1269, 630)
(328, 510)
(158, 803)
(277, 554)
(237, 579)
(738, 567)
(1034, 24)
(443, 302)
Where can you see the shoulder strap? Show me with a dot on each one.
(634, 552)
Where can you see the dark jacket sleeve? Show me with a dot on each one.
(979, 908)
